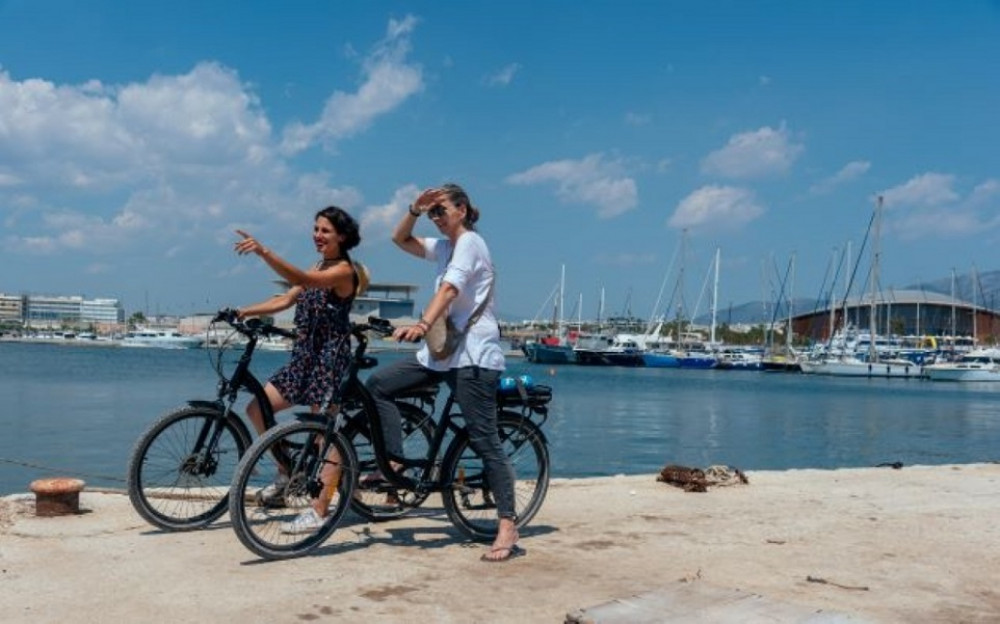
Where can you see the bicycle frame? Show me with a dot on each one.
(427, 482)
(228, 391)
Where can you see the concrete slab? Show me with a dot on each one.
(702, 603)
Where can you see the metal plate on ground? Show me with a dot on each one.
(701, 603)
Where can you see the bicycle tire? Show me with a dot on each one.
(374, 499)
(171, 487)
(467, 498)
(261, 526)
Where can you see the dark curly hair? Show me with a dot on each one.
(345, 225)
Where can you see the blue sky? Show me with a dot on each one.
(136, 136)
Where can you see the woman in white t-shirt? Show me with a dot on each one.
(464, 285)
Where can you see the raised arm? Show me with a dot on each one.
(403, 234)
(339, 277)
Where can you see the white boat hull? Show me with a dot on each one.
(979, 365)
(957, 372)
(858, 368)
(161, 339)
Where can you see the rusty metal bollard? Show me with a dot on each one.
(57, 496)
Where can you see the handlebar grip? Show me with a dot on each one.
(225, 314)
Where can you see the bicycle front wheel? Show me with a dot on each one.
(375, 499)
(277, 484)
(180, 469)
(468, 497)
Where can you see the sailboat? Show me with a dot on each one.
(873, 365)
(553, 349)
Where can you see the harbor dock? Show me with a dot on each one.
(914, 544)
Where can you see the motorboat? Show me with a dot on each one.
(978, 365)
(162, 338)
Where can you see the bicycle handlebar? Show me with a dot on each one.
(375, 324)
(251, 326)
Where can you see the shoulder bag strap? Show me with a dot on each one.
(481, 307)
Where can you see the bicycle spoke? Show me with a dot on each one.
(275, 513)
(174, 485)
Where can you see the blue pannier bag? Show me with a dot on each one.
(509, 383)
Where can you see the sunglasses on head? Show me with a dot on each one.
(436, 211)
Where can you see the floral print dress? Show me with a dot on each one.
(322, 349)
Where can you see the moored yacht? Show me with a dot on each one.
(978, 365)
(162, 338)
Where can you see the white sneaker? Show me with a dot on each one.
(306, 522)
(274, 494)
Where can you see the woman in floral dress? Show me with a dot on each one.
(322, 297)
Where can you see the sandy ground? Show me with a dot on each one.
(920, 544)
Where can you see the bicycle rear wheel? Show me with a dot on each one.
(287, 462)
(179, 471)
(468, 497)
(375, 499)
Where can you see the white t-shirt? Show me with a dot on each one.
(470, 271)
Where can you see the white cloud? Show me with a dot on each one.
(934, 209)
(985, 192)
(721, 206)
(378, 221)
(389, 81)
(592, 180)
(928, 189)
(169, 158)
(755, 154)
(937, 223)
(93, 137)
(848, 172)
(503, 77)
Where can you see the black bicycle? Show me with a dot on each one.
(296, 454)
(181, 467)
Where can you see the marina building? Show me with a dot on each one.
(388, 301)
(54, 312)
(904, 313)
(11, 309)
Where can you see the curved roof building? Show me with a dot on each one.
(904, 313)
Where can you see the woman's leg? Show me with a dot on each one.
(329, 474)
(384, 384)
(475, 391)
(277, 401)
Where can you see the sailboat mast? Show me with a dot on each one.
(562, 289)
(954, 329)
(715, 294)
(847, 285)
(791, 286)
(975, 278)
(872, 324)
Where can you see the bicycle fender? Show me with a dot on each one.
(238, 423)
(311, 417)
(516, 416)
(214, 405)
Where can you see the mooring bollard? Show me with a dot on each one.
(58, 496)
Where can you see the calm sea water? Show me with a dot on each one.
(77, 411)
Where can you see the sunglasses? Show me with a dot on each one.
(436, 211)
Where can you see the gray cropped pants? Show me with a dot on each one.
(475, 391)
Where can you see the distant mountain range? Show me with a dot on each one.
(987, 294)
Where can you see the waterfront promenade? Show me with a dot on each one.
(918, 544)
